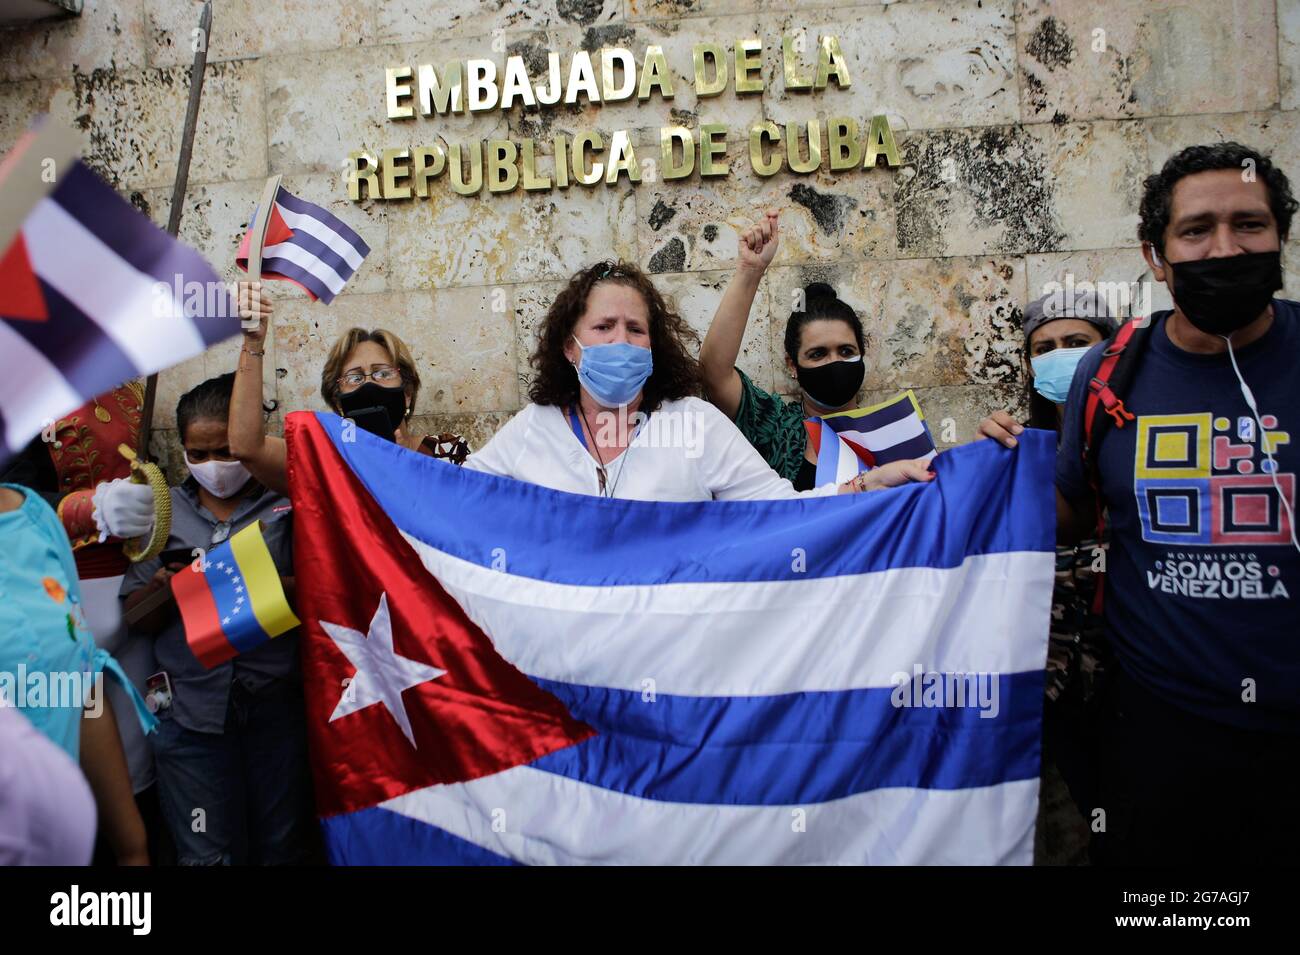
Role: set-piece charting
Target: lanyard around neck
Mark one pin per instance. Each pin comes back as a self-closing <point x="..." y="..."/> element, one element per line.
<point x="601" y="468"/>
<point x="576" y="425"/>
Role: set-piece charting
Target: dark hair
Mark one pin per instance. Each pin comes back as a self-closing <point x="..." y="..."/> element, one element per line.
<point x="1042" y="412"/>
<point x="208" y="399"/>
<point x="1158" y="189"/>
<point x="820" y="303"/>
<point x="676" y="373"/>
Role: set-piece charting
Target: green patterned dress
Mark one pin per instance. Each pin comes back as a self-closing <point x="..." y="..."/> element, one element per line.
<point x="773" y="426"/>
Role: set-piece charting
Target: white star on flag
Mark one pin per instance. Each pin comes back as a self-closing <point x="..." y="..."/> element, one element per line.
<point x="381" y="675"/>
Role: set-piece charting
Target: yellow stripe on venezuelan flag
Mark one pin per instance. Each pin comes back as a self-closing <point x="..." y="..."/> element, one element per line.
<point x="265" y="592"/>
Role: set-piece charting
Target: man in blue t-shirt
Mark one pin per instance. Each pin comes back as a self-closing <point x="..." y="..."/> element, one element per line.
<point x="1200" y="752"/>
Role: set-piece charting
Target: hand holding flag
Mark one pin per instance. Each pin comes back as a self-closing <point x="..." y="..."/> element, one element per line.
<point x="306" y="245"/>
<point x="849" y="442"/>
<point x="254" y="311"/>
<point x="234" y="602"/>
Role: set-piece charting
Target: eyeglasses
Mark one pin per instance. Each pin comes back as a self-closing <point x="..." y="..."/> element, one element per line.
<point x="355" y="379"/>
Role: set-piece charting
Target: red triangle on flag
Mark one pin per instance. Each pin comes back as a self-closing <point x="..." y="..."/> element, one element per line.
<point x="814" y="428"/>
<point x="865" y="454"/>
<point x="277" y="230"/>
<point x="20" y="292"/>
<point x="483" y="716"/>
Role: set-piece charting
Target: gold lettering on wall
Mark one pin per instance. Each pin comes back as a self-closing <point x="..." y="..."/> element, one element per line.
<point x="586" y="79"/>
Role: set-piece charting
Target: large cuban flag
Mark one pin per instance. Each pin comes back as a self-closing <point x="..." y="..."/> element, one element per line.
<point x="500" y="673"/>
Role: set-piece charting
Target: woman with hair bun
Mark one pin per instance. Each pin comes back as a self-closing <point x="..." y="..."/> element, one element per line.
<point x="823" y="353"/>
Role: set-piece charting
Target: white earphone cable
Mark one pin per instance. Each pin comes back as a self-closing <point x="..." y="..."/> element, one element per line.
<point x="1263" y="442"/>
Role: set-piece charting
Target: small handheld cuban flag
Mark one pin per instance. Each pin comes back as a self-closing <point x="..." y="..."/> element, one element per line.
<point x="306" y="245"/>
<point x="837" y="461"/>
<point x="236" y="602"/>
<point x="852" y="441"/>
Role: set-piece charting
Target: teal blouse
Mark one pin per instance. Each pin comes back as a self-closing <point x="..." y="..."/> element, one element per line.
<point x="48" y="657"/>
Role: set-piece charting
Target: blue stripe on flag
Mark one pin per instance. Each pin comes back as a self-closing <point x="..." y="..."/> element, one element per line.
<point x="828" y="456"/>
<point x="319" y="250"/>
<point x="896" y="410"/>
<point x="916" y="447"/>
<point x="291" y="270"/>
<point x="303" y="207"/>
<point x="797" y="748"/>
<point x="379" y="837"/>
<point x="85" y="355"/>
<point x="238" y="621"/>
<point x="141" y="244"/>
<point x="980" y="503"/>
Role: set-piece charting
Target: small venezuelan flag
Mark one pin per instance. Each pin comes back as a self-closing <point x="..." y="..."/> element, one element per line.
<point x="237" y="603"/>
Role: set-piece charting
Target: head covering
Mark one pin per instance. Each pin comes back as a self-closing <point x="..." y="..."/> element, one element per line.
<point x="1086" y="305"/>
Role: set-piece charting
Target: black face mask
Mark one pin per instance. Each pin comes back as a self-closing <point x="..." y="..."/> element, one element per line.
<point x="1219" y="296"/>
<point x="371" y="397"/>
<point x="833" y="384"/>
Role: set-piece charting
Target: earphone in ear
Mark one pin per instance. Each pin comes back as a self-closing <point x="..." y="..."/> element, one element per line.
<point x="1155" y="256"/>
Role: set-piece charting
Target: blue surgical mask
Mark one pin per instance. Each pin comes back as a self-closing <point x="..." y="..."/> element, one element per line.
<point x="614" y="373"/>
<point x="1054" y="370"/>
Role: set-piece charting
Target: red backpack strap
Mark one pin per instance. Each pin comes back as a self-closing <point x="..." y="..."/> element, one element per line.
<point x="1114" y="372"/>
<point x="1099" y="388"/>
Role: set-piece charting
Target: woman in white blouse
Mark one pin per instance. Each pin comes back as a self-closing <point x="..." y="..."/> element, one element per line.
<point x="614" y="412"/>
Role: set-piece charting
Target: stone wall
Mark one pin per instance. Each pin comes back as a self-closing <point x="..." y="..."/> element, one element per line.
<point x="1024" y="147"/>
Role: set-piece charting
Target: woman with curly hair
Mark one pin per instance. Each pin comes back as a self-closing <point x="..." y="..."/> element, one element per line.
<point x="615" y="412"/>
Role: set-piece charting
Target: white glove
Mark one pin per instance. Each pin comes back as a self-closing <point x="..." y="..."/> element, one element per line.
<point x="123" y="509"/>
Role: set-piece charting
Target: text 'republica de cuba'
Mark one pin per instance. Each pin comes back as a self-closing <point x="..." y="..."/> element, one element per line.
<point x="435" y="92"/>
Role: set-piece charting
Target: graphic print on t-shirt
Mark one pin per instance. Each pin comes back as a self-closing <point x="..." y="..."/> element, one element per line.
<point x="1202" y="480"/>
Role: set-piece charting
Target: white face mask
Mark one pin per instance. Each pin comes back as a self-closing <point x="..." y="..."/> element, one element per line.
<point x="220" y="478"/>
